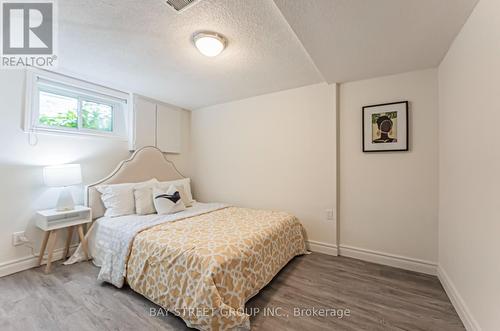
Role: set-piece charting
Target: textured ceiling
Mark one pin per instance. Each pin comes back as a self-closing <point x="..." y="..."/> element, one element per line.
<point x="356" y="39"/>
<point x="145" y="47"/>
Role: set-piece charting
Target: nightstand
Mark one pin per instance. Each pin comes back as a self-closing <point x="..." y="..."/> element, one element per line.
<point x="51" y="220"/>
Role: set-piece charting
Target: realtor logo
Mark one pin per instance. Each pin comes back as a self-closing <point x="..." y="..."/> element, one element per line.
<point x="28" y="29"/>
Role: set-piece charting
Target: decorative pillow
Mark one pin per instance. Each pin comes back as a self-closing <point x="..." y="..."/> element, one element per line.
<point x="185" y="183"/>
<point x="119" y="199"/>
<point x="184" y="196"/>
<point x="144" y="204"/>
<point x="169" y="201"/>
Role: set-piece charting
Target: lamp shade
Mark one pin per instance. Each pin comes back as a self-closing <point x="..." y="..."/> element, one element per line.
<point x="62" y="175"/>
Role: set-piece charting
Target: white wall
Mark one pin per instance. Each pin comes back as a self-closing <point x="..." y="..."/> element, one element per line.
<point x="275" y="151"/>
<point x="388" y="201"/>
<point x="22" y="189"/>
<point x="469" y="135"/>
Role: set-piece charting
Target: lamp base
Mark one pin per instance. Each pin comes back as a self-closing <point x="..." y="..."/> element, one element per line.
<point x="65" y="201"/>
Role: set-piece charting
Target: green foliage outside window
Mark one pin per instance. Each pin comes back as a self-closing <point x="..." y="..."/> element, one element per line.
<point x="60" y="111"/>
<point x="97" y="116"/>
<point x="65" y="120"/>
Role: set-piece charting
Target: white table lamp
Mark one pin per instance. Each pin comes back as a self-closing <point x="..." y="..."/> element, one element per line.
<point x="63" y="176"/>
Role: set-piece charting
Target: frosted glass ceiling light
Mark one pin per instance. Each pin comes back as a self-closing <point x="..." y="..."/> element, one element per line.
<point x="209" y="44"/>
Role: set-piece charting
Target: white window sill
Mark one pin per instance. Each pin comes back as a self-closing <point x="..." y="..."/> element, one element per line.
<point x="75" y="133"/>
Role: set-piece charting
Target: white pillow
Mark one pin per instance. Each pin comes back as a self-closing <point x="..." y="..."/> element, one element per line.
<point x="169" y="201"/>
<point x="186" y="183"/>
<point x="144" y="204"/>
<point x="184" y="197"/>
<point x="119" y="199"/>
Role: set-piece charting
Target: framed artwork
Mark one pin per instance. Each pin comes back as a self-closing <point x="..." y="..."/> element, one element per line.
<point x="385" y="127"/>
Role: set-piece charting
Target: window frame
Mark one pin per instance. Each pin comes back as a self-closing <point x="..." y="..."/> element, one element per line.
<point x="49" y="82"/>
<point x="79" y="97"/>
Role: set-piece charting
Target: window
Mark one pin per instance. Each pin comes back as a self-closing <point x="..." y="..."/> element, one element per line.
<point x="65" y="105"/>
<point x="57" y="111"/>
<point x="97" y="116"/>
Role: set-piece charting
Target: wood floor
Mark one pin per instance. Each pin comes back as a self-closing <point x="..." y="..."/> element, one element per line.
<point x="378" y="298"/>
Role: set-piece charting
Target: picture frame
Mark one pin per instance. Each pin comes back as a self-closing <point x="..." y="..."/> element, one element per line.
<point x="385" y="127"/>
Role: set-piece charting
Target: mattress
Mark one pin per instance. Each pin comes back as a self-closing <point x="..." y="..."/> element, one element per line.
<point x="206" y="267"/>
<point x="110" y="239"/>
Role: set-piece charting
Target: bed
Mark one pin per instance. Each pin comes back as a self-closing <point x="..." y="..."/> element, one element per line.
<point x="202" y="264"/>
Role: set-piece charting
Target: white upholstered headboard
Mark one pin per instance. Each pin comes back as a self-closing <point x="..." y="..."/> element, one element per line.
<point x="146" y="163"/>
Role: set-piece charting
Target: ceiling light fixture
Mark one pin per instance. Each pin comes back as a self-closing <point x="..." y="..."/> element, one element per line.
<point x="209" y="43"/>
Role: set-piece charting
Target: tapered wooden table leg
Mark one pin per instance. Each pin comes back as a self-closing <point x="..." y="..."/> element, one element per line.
<point x="42" y="248"/>
<point x="68" y="241"/>
<point x="52" y="245"/>
<point x="83" y="241"/>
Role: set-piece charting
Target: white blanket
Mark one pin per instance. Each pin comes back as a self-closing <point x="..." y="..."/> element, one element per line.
<point x="110" y="239"/>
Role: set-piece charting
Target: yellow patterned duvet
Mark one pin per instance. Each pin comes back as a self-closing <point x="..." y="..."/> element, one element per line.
<point x="204" y="268"/>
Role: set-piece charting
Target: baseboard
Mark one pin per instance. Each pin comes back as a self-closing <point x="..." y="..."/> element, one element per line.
<point x="320" y="247"/>
<point x="28" y="262"/>
<point x="458" y="302"/>
<point x="25" y="263"/>
<point x="392" y="260"/>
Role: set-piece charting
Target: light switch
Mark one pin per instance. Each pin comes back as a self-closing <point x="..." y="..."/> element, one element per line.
<point x="330" y="214"/>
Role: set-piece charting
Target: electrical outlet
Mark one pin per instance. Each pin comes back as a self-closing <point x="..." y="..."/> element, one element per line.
<point x="19" y="238"/>
<point x="330" y="215"/>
